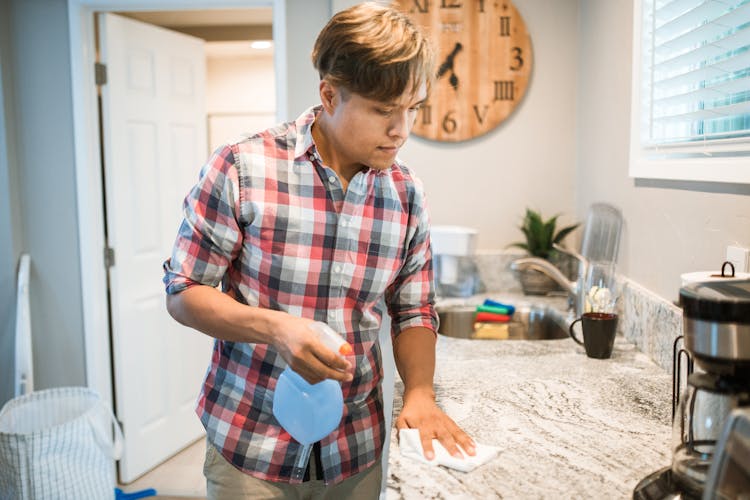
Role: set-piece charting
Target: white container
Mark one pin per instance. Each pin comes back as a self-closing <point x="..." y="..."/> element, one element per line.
<point x="453" y="240"/>
<point x="452" y="251"/>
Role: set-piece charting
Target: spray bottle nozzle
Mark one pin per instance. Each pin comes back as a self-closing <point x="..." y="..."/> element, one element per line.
<point x="331" y="339"/>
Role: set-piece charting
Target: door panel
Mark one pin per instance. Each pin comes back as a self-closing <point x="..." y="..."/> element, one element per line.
<point x="154" y="134"/>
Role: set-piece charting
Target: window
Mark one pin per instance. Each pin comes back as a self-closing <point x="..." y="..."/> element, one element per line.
<point x="691" y="90"/>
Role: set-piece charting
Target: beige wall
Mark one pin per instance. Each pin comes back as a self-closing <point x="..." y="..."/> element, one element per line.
<point x="240" y="84"/>
<point x="240" y="96"/>
<point x="672" y="227"/>
<point x="529" y="160"/>
<point x="567" y="146"/>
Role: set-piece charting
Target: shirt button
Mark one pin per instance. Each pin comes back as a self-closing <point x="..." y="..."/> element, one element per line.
<point x="332" y="179"/>
<point x="331" y="314"/>
<point x="337" y="269"/>
<point x="344" y="222"/>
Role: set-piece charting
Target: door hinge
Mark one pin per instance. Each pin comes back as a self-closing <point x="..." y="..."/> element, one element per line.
<point x="109" y="257"/>
<point x="100" y="73"/>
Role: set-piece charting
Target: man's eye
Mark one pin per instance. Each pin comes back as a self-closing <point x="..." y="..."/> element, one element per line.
<point x="384" y="111"/>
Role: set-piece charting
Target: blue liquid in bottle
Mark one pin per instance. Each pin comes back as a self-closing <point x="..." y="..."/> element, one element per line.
<point x="309" y="412"/>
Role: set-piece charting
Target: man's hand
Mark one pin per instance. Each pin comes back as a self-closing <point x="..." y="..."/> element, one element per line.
<point x="221" y="316"/>
<point x="414" y="350"/>
<point x="421" y="412"/>
<point x="298" y="344"/>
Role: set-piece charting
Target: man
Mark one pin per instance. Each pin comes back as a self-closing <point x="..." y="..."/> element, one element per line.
<point x="316" y="219"/>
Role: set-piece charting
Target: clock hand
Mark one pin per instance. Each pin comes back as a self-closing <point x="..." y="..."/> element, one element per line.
<point x="453" y="79"/>
<point x="448" y="63"/>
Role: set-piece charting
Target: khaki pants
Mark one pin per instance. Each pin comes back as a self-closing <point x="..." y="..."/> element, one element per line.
<point x="225" y="482"/>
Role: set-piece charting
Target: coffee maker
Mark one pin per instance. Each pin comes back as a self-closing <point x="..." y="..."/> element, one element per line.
<point x="716" y="340"/>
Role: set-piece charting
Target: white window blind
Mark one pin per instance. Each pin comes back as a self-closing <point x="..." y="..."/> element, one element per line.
<point x="695" y="76"/>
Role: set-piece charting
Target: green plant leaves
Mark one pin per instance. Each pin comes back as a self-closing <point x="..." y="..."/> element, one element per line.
<point x="564" y="232"/>
<point x="540" y="234"/>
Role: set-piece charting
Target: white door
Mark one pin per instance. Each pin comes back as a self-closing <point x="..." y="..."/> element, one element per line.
<point x="154" y="137"/>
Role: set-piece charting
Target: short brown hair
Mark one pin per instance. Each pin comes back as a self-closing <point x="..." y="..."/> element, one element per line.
<point x="374" y="51"/>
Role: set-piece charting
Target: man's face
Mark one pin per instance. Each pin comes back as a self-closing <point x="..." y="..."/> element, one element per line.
<point x="369" y="132"/>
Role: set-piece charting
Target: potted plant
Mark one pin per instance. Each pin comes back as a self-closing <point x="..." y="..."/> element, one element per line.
<point x="541" y="236"/>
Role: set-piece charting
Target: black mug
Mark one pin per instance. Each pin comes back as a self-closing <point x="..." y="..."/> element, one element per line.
<point x="598" y="333"/>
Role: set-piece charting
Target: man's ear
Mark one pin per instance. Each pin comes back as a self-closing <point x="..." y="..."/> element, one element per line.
<point x="327" y="95"/>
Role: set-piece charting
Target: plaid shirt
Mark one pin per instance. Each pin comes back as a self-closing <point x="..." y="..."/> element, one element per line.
<point x="273" y="225"/>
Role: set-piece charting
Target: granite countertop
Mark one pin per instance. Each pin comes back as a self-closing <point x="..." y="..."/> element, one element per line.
<point x="567" y="426"/>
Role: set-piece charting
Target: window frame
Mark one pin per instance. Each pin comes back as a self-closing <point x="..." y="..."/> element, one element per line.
<point x="719" y="161"/>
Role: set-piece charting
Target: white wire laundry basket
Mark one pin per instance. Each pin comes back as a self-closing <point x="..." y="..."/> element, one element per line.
<point x="58" y="444"/>
<point x="24" y="372"/>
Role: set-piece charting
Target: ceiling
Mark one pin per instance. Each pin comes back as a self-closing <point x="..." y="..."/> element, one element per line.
<point x="226" y="31"/>
<point x="261" y="16"/>
<point x="235" y="49"/>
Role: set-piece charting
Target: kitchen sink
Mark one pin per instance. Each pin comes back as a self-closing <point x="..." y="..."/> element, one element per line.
<point x="529" y="322"/>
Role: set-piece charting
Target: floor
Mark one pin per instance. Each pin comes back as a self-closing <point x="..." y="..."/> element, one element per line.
<point x="179" y="478"/>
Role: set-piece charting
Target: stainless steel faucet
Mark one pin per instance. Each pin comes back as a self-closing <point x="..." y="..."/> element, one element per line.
<point x="573" y="288"/>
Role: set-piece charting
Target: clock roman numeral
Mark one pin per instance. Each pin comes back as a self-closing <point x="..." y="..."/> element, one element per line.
<point x="504" y="90"/>
<point x="481" y="115"/>
<point x="426" y="111"/>
<point x="422" y="6"/>
<point x="505" y="26"/>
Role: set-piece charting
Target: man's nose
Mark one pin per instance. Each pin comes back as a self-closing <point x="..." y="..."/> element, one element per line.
<point x="401" y="124"/>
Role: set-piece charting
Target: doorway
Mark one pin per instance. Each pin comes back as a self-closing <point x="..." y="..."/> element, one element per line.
<point x="91" y="183"/>
<point x="240" y="73"/>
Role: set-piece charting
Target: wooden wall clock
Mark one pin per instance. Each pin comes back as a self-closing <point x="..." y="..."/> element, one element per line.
<point x="484" y="63"/>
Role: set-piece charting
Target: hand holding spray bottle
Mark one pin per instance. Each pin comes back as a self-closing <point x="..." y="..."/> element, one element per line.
<point x="309" y="412"/>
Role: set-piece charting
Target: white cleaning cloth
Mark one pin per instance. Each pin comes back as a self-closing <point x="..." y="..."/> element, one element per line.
<point x="411" y="447"/>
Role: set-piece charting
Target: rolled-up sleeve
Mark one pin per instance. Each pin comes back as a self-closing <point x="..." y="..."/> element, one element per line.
<point x="210" y="235"/>
<point x="411" y="297"/>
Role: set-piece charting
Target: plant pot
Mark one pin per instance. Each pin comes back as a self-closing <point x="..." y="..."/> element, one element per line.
<point x="535" y="282"/>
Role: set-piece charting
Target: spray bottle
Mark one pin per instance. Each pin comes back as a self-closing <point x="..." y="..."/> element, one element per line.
<point x="309" y="412"/>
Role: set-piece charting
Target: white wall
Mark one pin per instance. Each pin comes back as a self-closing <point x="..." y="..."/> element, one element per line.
<point x="672" y="227"/>
<point x="305" y="18"/>
<point x="529" y="160"/>
<point x="10" y="240"/>
<point x="41" y="172"/>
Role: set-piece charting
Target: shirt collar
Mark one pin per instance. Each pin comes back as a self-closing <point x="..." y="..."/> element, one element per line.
<point x="304" y="144"/>
<point x="304" y="123"/>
